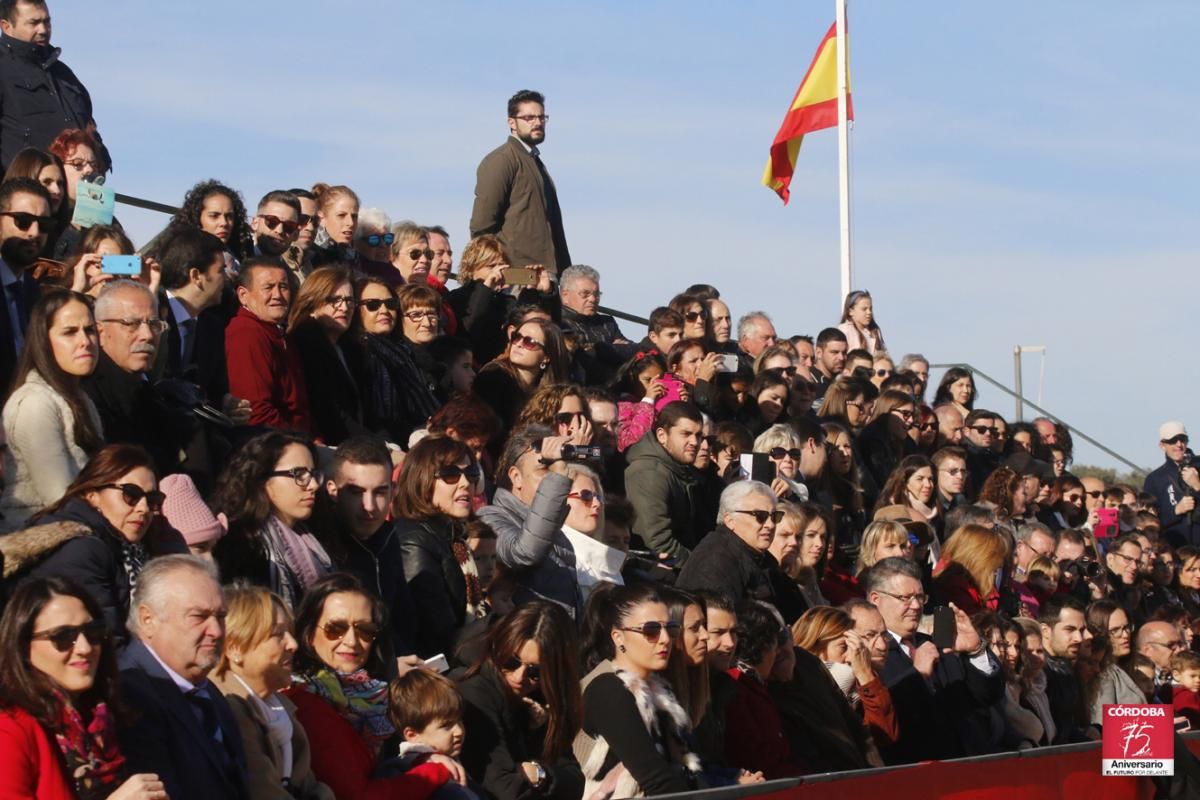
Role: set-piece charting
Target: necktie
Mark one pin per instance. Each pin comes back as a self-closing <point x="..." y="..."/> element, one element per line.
<point x="188" y="334"/>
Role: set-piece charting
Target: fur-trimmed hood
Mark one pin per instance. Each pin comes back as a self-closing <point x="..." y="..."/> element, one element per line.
<point x="23" y="549"/>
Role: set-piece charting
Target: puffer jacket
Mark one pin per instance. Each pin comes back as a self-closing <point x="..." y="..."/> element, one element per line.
<point x="530" y="542"/>
<point x="435" y="580"/>
<point x="666" y="497"/>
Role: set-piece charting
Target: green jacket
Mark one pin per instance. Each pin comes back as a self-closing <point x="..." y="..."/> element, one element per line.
<point x="664" y="495"/>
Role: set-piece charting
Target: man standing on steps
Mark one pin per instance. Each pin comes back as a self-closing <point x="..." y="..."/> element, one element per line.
<point x="515" y="198"/>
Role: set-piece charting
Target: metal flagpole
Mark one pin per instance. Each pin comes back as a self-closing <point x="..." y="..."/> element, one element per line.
<point x="843" y="58"/>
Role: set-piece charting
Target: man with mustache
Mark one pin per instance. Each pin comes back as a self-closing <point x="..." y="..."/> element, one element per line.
<point x="262" y="368"/>
<point x="24" y="225"/>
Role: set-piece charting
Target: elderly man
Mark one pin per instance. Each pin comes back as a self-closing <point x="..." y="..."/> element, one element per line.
<point x="942" y="699"/>
<point x="1158" y="641"/>
<point x="734" y="558"/>
<point x="950" y="425"/>
<point x="601" y="347"/>
<point x="183" y="729"/>
<point x="1175" y="484"/>
<point x="755" y="333"/>
<point x="1034" y="540"/>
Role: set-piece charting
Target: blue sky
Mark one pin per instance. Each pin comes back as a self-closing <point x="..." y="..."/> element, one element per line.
<point x="1023" y="173"/>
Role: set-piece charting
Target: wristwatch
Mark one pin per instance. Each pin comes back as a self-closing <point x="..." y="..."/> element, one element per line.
<point x="541" y="775"/>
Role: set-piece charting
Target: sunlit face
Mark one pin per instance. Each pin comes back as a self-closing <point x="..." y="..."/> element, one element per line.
<point x="1120" y="633"/>
<point x="520" y="681"/>
<point x="681" y="441"/>
<point x="1023" y="440"/>
<point x="862" y="312"/>
<point x="635" y="648"/>
<point x="275" y="227"/>
<point x="786" y="543"/>
<point x="695" y="321"/>
<point x="363" y="494"/>
<point x="335" y="314"/>
<point x="452" y="496"/>
<point x="413" y="258"/>
<point x="722" y="637"/>
<point x="689" y="364"/>
<point x="870" y="627"/>
<point x="443" y="256"/>
<point x="841" y="453"/>
<point x="52" y="178"/>
<point x="339" y="217"/>
<point x="584" y="506"/>
<point x="785" y="465"/>
<point x="133" y="521"/>
<point x="79" y="165"/>
<point x="216" y="216"/>
<point x="483" y="551"/>
<point x="530" y="350"/>
<point x="920" y="485"/>
<point x="1035" y="652"/>
<point x="889" y="547"/>
<point x="1125" y="561"/>
<point x="746" y="525"/>
<point x="74" y="340"/>
<point x="1065" y="636"/>
<point x="269" y="663"/>
<point x="831" y="359"/>
<point x="813" y="542"/>
<point x="694" y="641"/>
<point x="75" y="670"/>
<point x="1189" y="574"/>
<point x="962" y="390"/>
<point x="308" y="222"/>
<point x="420" y="324"/>
<point x="347" y="653"/>
<point x="720" y="321"/>
<point x="529" y="123"/>
<point x="290" y="501"/>
<point x="444" y="736"/>
<point x="269" y="295"/>
<point x="900" y="604"/>
<point x="582" y="296"/>
<point x="378" y="309"/>
<point x="189" y="634"/>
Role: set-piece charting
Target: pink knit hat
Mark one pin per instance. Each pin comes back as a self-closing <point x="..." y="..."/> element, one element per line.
<point x="187" y="512"/>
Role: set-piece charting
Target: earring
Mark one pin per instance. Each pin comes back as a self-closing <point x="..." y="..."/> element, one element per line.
<point x="621" y="647"/>
<point x="543" y="365"/>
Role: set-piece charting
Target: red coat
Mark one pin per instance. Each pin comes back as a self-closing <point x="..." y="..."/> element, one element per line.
<point x="838" y="586"/>
<point x="953" y="584"/>
<point x="754" y="737"/>
<point x="30" y="764"/>
<point x="266" y="371"/>
<point x="1187" y="704"/>
<point x="341" y="760"/>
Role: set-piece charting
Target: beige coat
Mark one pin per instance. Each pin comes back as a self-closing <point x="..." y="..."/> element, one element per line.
<point x="264" y="761"/>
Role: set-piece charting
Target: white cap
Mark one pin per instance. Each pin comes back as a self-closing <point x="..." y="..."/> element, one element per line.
<point x="1169" y="430"/>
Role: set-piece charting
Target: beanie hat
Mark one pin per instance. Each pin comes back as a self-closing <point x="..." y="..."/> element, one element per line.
<point x="187" y="512"/>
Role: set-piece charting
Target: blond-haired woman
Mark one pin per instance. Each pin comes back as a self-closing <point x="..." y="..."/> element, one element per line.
<point x="970" y="568"/>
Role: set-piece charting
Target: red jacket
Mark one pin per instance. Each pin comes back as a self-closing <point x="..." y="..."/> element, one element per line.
<point x="266" y="371"/>
<point x="838" y="586"/>
<point x="754" y="737"/>
<point x="30" y="764"/>
<point x="342" y="761"/>
<point x="1187" y="704"/>
<point x="953" y="584"/>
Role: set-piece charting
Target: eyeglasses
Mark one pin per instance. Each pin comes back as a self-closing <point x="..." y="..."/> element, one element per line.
<point x="532" y="671"/>
<point x="907" y="416"/>
<point x="1180" y="439"/>
<point x="534" y="118"/>
<point x="653" y="630"/>
<point x="416" y="253"/>
<point x="376" y="303"/>
<point x="376" y="239"/>
<point x="454" y="473"/>
<point x="340" y="300"/>
<point x="586" y="495"/>
<point x="983" y="429"/>
<point x="954" y="473"/>
<point x="1123" y="630"/>
<point x="854" y="404"/>
<point x="1122" y="555"/>
<point x="132" y="494"/>
<point x="289" y="228"/>
<point x="303" y="476"/>
<point x="156" y="326"/>
<point x="79" y="163"/>
<point x="907" y="599"/>
<point x="882" y="373"/>
<point x="926" y="427"/>
<point x="1094" y="495"/>
<point x="24" y="220"/>
<point x="779" y="453"/>
<point x="305" y="220"/>
<point x="761" y="516"/>
<point x="567" y="417"/>
<point x="1172" y="646"/>
<point x="528" y="342"/>
<point x="692" y="316"/>
<point x="421" y="316"/>
<point x="335" y="630"/>
<point x="64" y="637"/>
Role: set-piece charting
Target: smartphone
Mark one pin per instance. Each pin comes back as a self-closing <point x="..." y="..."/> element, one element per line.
<point x="121" y="265"/>
<point x="758" y="467"/>
<point x="728" y="363"/>
<point x="1109" y="523"/>
<point x="438" y="663"/>
<point x="945" y="628"/>
<point x="520" y="276"/>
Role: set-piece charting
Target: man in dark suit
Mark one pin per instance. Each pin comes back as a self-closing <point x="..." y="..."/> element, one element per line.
<point x="193" y="276"/>
<point x="182" y="729"/>
<point x="515" y="197"/>
<point x="24" y="224"/>
<point x="942" y="699"/>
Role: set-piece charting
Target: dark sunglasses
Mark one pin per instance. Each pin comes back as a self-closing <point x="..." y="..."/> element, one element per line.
<point x="132" y="494"/>
<point x="1180" y="439"/>
<point x="376" y="239"/>
<point x="586" y="495"/>
<point x="23" y="220"/>
<point x="778" y="453"/>
<point x="274" y="222"/>
<point x="304" y="220"/>
<point x="883" y="373"/>
<point x="454" y="473"/>
<point x="692" y="316"/>
<point x="761" y="516"/>
<point x="982" y="429"/>
<point x="532" y="671"/>
<point x="528" y="342"/>
<point x="928" y="426"/>
<point x="567" y="417"/>
<point x="415" y="255"/>
<point x="653" y="630"/>
<point x="1094" y="495"/>
<point x="375" y="303"/>
<point x="336" y="630"/>
<point x="63" y="638"/>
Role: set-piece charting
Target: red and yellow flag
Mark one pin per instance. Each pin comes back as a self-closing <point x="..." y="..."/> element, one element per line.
<point x="814" y="108"/>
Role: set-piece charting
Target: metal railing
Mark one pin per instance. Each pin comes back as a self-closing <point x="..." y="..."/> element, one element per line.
<point x="1075" y="432"/>
<point x="163" y="208"/>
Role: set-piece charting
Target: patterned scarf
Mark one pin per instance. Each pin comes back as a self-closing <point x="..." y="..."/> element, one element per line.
<point x="301" y="553"/>
<point x="359" y="699"/>
<point x="471" y="574"/>
<point x="134" y="556"/>
<point x="93" y="761"/>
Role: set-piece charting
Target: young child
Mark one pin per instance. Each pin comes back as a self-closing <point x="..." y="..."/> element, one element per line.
<point x="427" y="711"/>
<point x="1185" y="672"/>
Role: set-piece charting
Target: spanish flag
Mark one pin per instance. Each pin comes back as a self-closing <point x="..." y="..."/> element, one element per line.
<point x="814" y="108"/>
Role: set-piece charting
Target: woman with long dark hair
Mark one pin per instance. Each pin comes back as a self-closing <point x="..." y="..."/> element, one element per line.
<point x="341" y="697"/>
<point x="885" y="440"/>
<point x="958" y="388"/>
<point x="58" y="680"/>
<point x="79" y="152"/>
<point x="859" y="323"/>
<point x="321" y="313"/>
<point x="433" y="502"/>
<point x="522" y="707"/>
<point x="267" y="492"/>
<point x="912" y="484"/>
<point x="535" y="356"/>
<point x="214" y="208"/>
<point x="51" y="425"/>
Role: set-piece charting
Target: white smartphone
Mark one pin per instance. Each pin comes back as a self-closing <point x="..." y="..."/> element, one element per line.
<point x="438" y="663"/>
<point x="728" y="363"/>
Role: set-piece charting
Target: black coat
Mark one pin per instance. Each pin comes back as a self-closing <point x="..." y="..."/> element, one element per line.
<point x="818" y="722"/>
<point x="40" y="97"/>
<point x="206" y="366"/>
<point x="333" y="396"/>
<point x="481" y="313"/>
<point x="8" y="351"/>
<point x="1066" y="701"/>
<point x="785" y="593"/>
<point x="724" y="563"/>
<point x="436" y="581"/>
<point x="395" y="396"/>
<point x="377" y="563"/>
<point x="499" y="739"/>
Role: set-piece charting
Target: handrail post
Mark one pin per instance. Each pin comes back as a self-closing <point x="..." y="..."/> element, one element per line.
<point x="1017" y="382"/>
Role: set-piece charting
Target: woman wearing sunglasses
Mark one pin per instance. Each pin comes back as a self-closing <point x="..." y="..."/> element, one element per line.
<point x="563" y="407"/>
<point x="781" y="445"/>
<point x="694" y="311"/>
<point x="766" y="401"/>
<point x="102" y="530"/>
<point x="522" y="707"/>
<point x="396" y="397"/>
<point x="320" y="316"/>
<point x="595" y="562"/>
<point x="267" y="492"/>
<point x="58" y="675"/>
<point x="434" y="499"/>
<point x="885" y="440"/>
<point x="536" y="356"/>
<point x="733" y="558"/>
<point x="846" y="403"/>
<point x="373" y="241"/>
<point x="341" y="700"/>
<point x="480" y="302"/>
<point x="255" y="668"/>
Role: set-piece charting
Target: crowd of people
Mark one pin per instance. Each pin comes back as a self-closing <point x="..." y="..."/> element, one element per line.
<point x="286" y="515"/>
